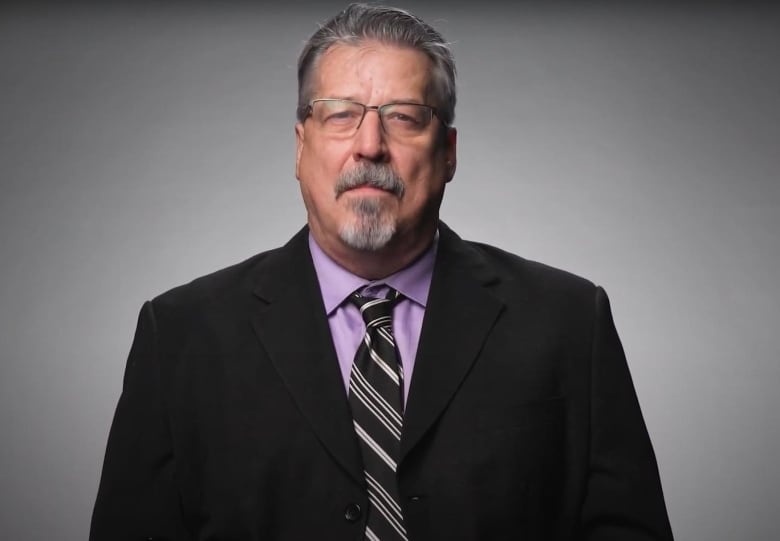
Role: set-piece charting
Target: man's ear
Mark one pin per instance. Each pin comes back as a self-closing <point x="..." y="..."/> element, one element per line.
<point x="299" y="138"/>
<point x="450" y="152"/>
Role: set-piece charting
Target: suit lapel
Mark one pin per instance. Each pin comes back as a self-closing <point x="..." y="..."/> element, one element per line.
<point x="292" y="326"/>
<point x="458" y="318"/>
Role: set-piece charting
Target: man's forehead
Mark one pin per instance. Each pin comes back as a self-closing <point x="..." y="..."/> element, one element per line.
<point x="345" y="64"/>
<point x="364" y="46"/>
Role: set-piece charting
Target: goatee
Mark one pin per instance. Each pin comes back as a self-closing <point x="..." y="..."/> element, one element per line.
<point x="371" y="226"/>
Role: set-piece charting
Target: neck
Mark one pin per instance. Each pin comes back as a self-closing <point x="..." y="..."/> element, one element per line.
<point x="398" y="254"/>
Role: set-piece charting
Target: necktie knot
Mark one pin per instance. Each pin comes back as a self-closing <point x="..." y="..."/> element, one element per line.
<point x="376" y="312"/>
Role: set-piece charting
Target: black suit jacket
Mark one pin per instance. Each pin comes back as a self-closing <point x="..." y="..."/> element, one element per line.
<point x="521" y="421"/>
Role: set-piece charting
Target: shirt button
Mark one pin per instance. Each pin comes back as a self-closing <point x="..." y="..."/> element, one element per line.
<point x="352" y="512"/>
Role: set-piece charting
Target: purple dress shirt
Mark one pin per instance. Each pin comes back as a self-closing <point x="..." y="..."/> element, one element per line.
<point x="346" y="324"/>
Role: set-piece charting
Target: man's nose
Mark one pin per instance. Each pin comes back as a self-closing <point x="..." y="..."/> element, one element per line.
<point x="370" y="141"/>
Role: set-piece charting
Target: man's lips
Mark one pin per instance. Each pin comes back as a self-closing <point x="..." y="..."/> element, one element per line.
<point x="367" y="189"/>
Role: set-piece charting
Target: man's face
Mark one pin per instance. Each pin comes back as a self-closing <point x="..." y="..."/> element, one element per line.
<point x="368" y="217"/>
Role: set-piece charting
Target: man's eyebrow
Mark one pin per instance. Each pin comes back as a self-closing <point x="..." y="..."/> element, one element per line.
<point x="407" y="100"/>
<point x="352" y="98"/>
<point x="337" y="97"/>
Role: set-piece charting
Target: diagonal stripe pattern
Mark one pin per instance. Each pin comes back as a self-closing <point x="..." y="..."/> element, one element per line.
<point x="375" y="387"/>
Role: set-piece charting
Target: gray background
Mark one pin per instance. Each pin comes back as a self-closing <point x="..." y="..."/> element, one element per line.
<point x="633" y="143"/>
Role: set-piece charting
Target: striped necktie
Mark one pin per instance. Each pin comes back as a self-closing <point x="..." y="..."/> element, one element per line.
<point x="375" y="398"/>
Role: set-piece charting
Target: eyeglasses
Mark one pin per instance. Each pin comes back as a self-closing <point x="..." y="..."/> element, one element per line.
<point x="344" y="117"/>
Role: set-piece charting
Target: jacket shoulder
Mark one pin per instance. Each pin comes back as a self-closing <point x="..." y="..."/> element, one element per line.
<point x="535" y="276"/>
<point x="223" y="286"/>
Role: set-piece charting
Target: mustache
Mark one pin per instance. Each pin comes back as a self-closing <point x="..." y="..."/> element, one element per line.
<point x="373" y="175"/>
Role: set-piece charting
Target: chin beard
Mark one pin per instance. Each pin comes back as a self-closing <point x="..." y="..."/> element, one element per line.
<point x="372" y="225"/>
<point x="370" y="229"/>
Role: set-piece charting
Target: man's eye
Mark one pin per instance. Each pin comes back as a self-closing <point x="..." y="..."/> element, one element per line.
<point x="401" y="118"/>
<point x="341" y="116"/>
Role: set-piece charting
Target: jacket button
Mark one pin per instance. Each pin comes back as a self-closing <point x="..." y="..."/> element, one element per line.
<point x="352" y="512"/>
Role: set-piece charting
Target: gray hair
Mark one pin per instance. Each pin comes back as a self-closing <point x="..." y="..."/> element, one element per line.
<point x="361" y="22"/>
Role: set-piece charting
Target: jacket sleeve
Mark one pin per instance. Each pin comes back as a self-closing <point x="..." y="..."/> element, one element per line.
<point x="623" y="499"/>
<point x="137" y="498"/>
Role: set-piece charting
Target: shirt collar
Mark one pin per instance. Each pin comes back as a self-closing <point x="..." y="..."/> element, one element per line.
<point x="337" y="283"/>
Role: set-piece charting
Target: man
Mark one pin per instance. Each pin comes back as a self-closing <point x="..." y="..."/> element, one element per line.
<point x="378" y="377"/>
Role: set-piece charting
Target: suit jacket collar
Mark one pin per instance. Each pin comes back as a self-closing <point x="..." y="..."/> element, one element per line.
<point x="292" y="326"/>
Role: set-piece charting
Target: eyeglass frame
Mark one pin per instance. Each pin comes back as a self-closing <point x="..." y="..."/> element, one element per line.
<point x="434" y="111"/>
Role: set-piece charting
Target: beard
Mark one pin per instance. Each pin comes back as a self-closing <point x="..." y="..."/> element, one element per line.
<point x="372" y="226"/>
